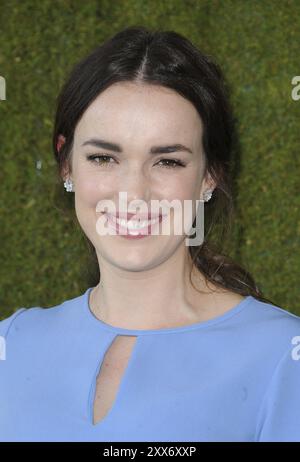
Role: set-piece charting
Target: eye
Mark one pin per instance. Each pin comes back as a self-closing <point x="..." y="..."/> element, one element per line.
<point x="102" y="159"/>
<point x="174" y="163"/>
<point x="105" y="159"/>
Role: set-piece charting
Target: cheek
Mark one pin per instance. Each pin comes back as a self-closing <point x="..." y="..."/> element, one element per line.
<point x="183" y="188"/>
<point x="181" y="195"/>
<point x="91" y="188"/>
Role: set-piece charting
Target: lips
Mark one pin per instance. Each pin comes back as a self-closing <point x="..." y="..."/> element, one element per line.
<point x="137" y="216"/>
<point x="129" y="229"/>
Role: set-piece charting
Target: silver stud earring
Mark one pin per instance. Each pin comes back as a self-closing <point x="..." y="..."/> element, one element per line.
<point x="207" y="195"/>
<point x="68" y="184"/>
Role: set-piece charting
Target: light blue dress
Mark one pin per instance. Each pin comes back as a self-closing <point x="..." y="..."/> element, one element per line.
<point x="232" y="378"/>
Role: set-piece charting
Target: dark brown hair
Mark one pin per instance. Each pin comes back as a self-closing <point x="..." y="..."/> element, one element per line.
<point x="168" y="59"/>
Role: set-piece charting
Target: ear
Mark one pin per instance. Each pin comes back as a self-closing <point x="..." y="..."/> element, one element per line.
<point x="65" y="172"/>
<point x="208" y="183"/>
<point x="60" y="142"/>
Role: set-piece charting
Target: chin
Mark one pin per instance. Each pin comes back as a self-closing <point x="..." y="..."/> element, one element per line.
<point x="129" y="259"/>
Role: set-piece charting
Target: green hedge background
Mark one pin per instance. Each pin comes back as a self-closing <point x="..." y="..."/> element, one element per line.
<point x="44" y="258"/>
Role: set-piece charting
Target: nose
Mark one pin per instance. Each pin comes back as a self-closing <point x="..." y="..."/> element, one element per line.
<point x="136" y="184"/>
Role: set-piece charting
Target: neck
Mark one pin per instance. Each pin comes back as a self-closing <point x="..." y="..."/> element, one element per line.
<point x="160" y="297"/>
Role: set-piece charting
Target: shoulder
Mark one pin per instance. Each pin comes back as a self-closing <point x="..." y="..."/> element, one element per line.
<point x="271" y="331"/>
<point x="261" y="320"/>
<point x="6" y="322"/>
<point x="5" y="325"/>
<point x="38" y="320"/>
<point x="273" y="319"/>
<point x="256" y="314"/>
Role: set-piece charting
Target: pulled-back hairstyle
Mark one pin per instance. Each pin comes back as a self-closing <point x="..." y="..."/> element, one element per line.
<point x="168" y="59"/>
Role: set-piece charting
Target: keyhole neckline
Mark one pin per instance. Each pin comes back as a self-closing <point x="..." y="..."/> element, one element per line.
<point x="170" y="330"/>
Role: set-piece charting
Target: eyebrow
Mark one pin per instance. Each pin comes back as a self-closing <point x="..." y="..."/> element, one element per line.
<point x="98" y="143"/>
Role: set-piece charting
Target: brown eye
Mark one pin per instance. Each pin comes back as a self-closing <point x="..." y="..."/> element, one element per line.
<point x="102" y="159"/>
<point x="174" y="163"/>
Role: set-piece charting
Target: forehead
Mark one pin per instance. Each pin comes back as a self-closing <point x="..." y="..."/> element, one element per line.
<point x="130" y="108"/>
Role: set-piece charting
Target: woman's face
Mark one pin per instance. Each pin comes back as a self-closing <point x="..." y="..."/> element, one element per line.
<point x="137" y="117"/>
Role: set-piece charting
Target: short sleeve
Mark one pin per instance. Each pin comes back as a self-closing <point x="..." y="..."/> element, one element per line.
<point x="5" y="325"/>
<point x="279" y="416"/>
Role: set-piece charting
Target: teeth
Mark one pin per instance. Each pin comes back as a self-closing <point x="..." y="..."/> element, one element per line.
<point x="134" y="224"/>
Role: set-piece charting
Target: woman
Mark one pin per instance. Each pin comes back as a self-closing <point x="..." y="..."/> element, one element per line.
<point x="176" y="342"/>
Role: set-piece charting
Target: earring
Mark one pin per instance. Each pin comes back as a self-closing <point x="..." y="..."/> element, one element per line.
<point x="207" y="195"/>
<point x="68" y="184"/>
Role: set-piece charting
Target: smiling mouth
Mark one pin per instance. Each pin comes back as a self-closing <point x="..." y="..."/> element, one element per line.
<point x="133" y="227"/>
